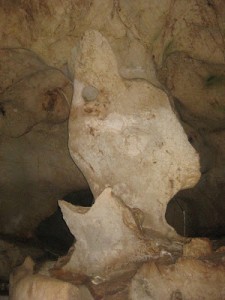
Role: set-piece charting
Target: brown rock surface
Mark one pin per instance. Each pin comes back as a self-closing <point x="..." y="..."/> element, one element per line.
<point x="188" y="278"/>
<point x="197" y="247"/>
<point x="36" y="168"/>
<point x="24" y="284"/>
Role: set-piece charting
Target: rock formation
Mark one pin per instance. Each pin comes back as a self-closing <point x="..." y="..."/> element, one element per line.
<point x="34" y="104"/>
<point x="110" y="230"/>
<point x="127" y="130"/>
<point x="24" y="284"/>
<point x="189" y="278"/>
<point x="148" y="44"/>
<point x="133" y="91"/>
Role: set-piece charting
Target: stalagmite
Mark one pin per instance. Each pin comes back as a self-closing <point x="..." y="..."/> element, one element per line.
<point x="127" y="137"/>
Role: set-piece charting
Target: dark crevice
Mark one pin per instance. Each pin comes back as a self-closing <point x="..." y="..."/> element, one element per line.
<point x="199" y="211"/>
<point x="2" y="110"/>
<point x="51" y="239"/>
<point x="53" y="233"/>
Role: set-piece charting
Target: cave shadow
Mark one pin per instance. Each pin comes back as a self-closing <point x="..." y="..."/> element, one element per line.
<point x="53" y="233"/>
<point x="198" y="212"/>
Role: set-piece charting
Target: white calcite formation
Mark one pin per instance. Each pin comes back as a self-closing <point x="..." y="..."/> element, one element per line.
<point x="108" y="237"/>
<point x="124" y="134"/>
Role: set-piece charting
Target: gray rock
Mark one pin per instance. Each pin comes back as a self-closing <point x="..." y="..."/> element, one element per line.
<point x="89" y="93"/>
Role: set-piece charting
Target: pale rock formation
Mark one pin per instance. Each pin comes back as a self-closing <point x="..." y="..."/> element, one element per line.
<point x="24" y="284"/>
<point x="128" y="137"/>
<point x="108" y="236"/>
<point x="189" y="278"/>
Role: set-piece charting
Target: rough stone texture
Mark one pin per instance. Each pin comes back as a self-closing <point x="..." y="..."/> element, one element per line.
<point x="185" y="40"/>
<point x="110" y="230"/>
<point x="197" y="87"/>
<point x="128" y="131"/>
<point x="197" y="247"/>
<point x="191" y="27"/>
<point x="167" y="282"/>
<point x="26" y="25"/>
<point x="206" y="218"/>
<point x="185" y="76"/>
<point x="12" y="255"/>
<point x="165" y="27"/>
<point x="36" y="168"/>
<point x="33" y="177"/>
<point x="24" y="284"/>
<point x="110" y="247"/>
<point x="31" y="93"/>
<point x="69" y="19"/>
<point x="189" y="279"/>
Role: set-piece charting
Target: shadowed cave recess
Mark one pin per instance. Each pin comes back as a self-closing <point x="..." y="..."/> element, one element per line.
<point x="112" y="101"/>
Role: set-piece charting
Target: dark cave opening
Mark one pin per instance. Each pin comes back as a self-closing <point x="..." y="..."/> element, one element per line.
<point x="199" y="211"/>
<point x="53" y="233"/>
<point x="52" y="236"/>
<point x="191" y="217"/>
